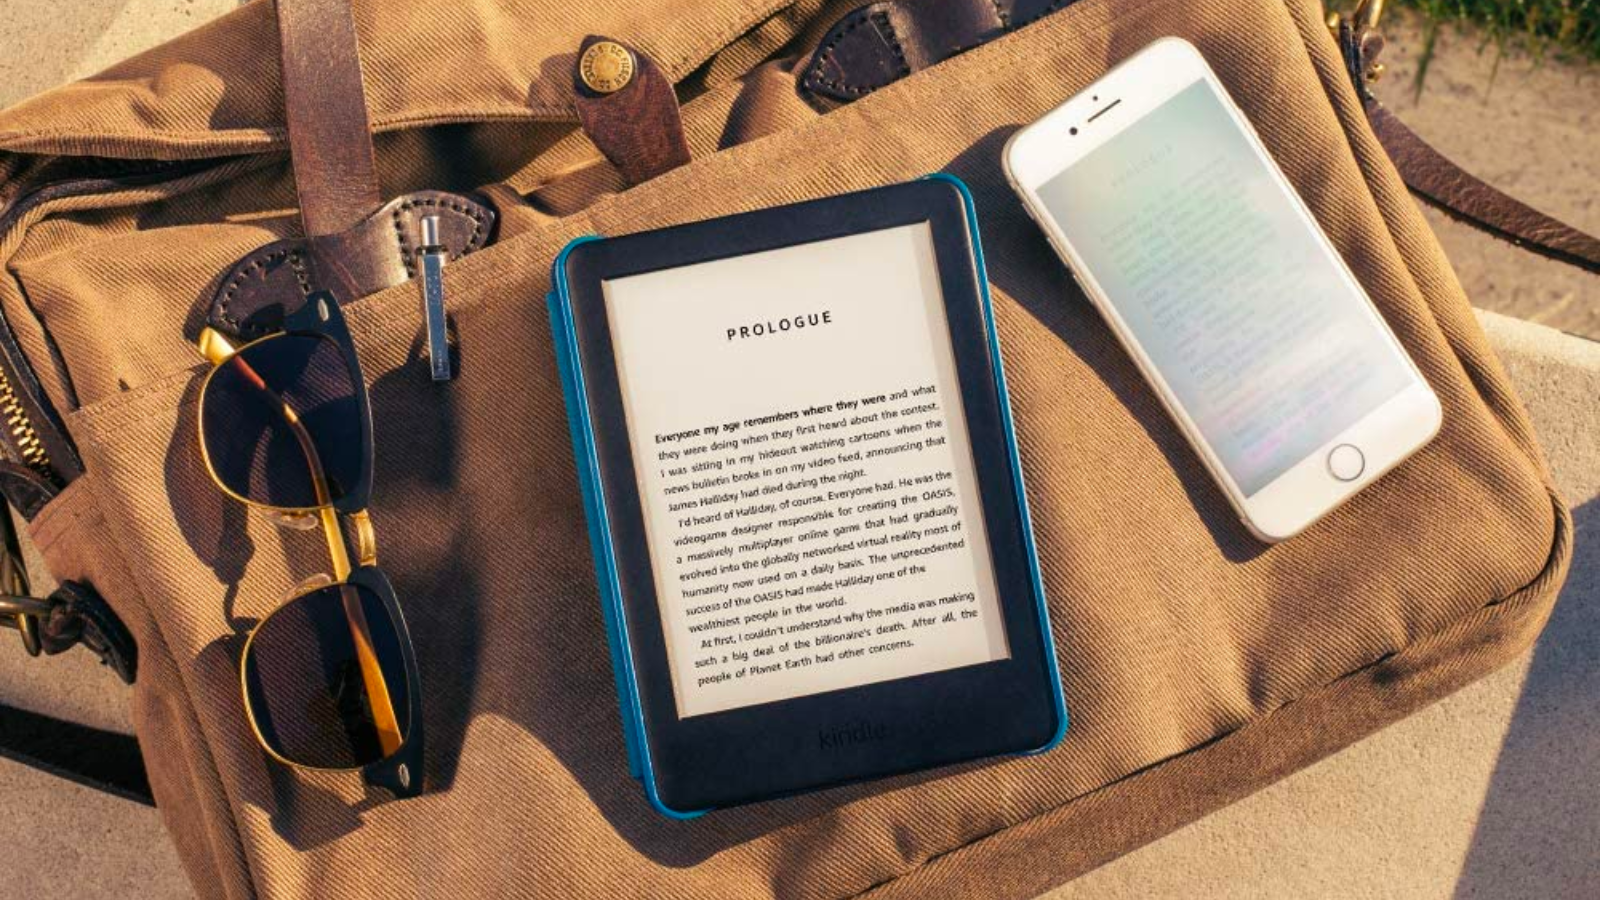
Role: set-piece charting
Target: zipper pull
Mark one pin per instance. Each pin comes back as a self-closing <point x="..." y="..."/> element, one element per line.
<point x="432" y="257"/>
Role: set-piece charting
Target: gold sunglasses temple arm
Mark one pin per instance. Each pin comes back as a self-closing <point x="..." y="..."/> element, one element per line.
<point x="337" y="554"/>
<point x="384" y="719"/>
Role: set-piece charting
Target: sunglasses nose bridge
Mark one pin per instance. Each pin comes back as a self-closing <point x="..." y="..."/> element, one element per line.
<point x="309" y="586"/>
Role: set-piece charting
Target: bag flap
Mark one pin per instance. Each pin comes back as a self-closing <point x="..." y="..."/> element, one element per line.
<point x="215" y="91"/>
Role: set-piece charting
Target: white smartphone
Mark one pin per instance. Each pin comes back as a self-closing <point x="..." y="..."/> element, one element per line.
<point x="1180" y="228"/>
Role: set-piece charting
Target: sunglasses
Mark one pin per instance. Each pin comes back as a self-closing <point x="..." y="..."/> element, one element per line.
<point x="329" y="677"/>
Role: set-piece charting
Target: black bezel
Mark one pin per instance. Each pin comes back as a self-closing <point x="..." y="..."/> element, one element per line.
<point x="321" y="316"/>
<point x="385" y="772"/>
<point x="757" y="752"/>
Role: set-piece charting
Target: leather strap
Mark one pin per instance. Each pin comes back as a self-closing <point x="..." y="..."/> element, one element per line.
<point x="378" y="252"/>
<point x="880" y="43"/>
<point x="103" y="760"/>
<point x="330" y="138"/>
<point x="1432" y="176"/>
<point x="637" y="125"/>
<point x="354" y="243"/>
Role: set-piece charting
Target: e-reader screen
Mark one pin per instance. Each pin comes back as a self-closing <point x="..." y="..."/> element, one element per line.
<point x="807" y="481"/>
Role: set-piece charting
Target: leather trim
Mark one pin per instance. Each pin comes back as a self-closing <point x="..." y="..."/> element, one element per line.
<point x="880" y="43"/>
<point x="858" y="55"/>
<point x="26" y="490"/>
<point x="330" y="136"/>
<point x="378" y="252"/>
<point x="638" y="127"/>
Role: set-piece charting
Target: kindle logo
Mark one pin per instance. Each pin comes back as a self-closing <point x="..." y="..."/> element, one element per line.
<point x="858" y="733"/>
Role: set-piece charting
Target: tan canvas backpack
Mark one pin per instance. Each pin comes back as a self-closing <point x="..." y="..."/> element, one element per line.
<point x="1198" y="664"/>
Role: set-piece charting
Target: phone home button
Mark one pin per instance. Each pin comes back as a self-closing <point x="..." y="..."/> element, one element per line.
<point x="1346" y="462"/>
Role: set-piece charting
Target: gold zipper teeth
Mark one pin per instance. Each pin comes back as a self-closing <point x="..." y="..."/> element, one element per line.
<point x="22" y="434"/>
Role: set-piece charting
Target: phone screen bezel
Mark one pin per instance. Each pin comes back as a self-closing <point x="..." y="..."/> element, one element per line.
<point x="1386" y="434"/>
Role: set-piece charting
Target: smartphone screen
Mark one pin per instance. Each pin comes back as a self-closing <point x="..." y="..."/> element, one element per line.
<point x="1236" y="301"/>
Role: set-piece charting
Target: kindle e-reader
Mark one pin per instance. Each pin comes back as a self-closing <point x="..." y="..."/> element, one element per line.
<point x="804" y="498"/>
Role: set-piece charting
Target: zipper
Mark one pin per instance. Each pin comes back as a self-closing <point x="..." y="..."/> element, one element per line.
<point x="24" y="439"/>
<point x="24" y="406"/>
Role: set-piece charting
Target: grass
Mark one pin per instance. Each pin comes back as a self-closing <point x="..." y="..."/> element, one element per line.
<point x="1564" y="29"/>
<point x="1567" y="28"/>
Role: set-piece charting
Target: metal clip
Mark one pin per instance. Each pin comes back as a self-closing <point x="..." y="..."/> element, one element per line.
<point x="432" y="257"/>
<point x="23" y="614"/>
<point x="17" y="609"/>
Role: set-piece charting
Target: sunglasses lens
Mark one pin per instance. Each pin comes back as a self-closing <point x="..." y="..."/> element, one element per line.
<point x="278" y="412"/>
<point x="325" y="680"/>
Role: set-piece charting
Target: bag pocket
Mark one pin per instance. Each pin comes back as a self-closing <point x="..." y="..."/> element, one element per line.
<point x="1174" y="628"/>
<point x="105" y="283"/>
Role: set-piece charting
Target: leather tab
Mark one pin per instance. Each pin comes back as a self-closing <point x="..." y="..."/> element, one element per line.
<point x="25" y="489"/>
<point x="859" y="54"/>
<point x="78" y="615"/>
<point x="378" y="252"/>
<point x="636" y="125"/>
<point x="330" y="137"/>
<point x="880" y="43"/>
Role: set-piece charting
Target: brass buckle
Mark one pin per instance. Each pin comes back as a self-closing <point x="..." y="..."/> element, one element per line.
<point x="17" y="609"/>
<point x="23" y="614"/>
<point x="1360" y="42"/>
<point x="1364" y="17"/>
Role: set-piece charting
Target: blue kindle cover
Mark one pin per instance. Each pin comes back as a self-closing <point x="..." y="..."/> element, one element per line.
<point x="803" y="496"/>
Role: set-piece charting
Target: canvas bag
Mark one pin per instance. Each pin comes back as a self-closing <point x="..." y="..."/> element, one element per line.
<point x="1198" y="664"/>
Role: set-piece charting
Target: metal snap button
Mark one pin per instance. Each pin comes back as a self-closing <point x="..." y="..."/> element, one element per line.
<point x="606" y="67"/>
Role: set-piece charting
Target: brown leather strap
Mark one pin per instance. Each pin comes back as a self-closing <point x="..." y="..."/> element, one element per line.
<point x="104" y="760"/>
<point x="330" y="139"/>
<point x="354" y="244"/>
<point x="378" y="252"/>
<point x="1432" y="176"/>
<point x="628" y="108"/>
<point x="880" y="43"/>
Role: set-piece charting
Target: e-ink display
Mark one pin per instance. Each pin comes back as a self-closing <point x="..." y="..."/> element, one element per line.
<point x="1240" y="308"/>
<point x="809" y="495"/>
